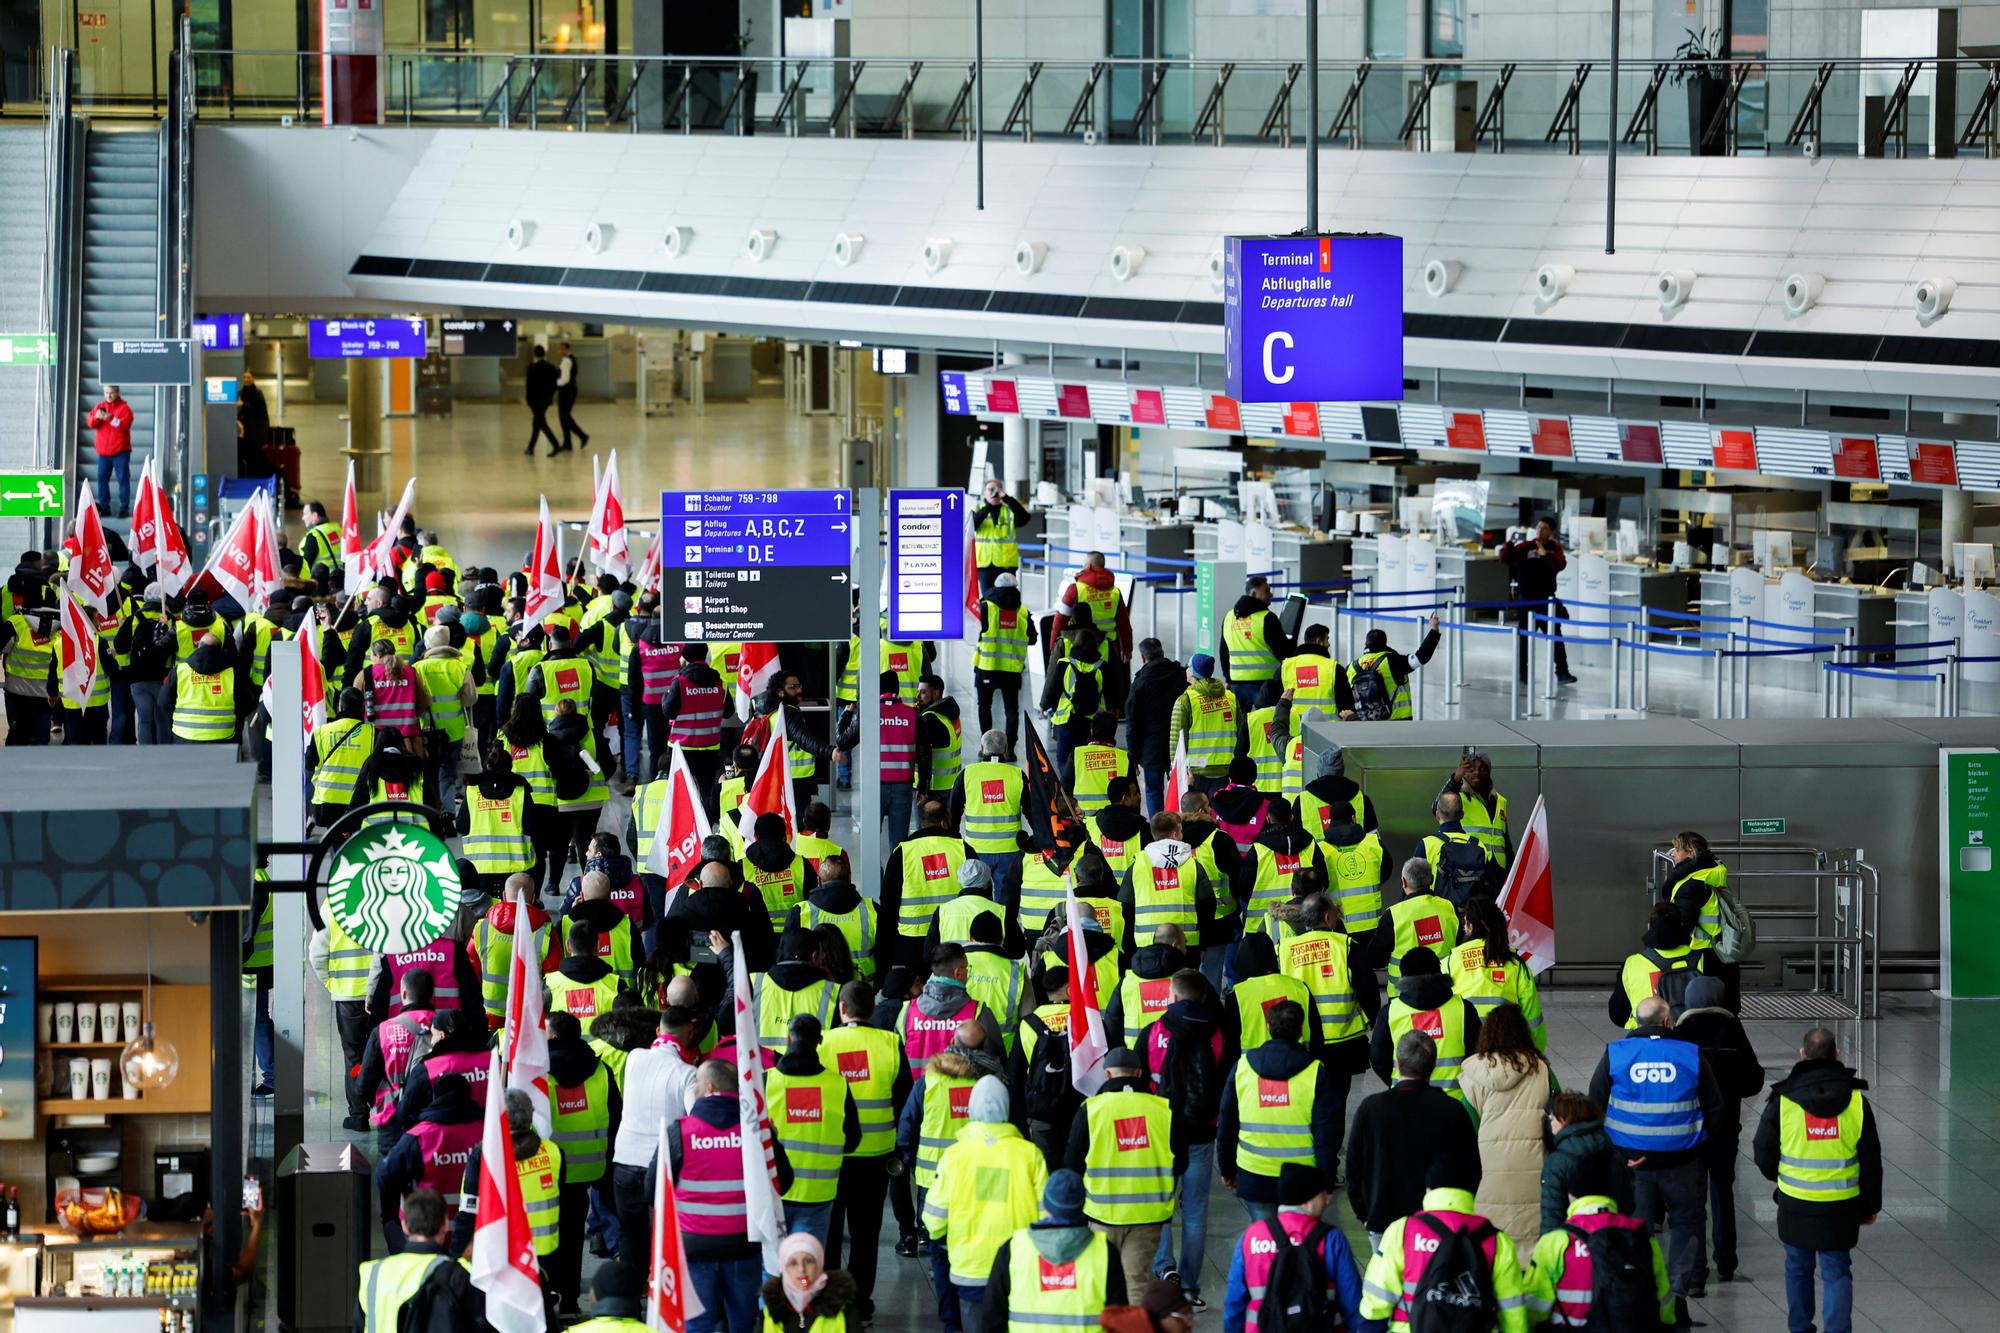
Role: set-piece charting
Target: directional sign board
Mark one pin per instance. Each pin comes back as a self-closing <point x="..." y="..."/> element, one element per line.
<point x="27" y="349"/>
<point x="219" y="333"/>
<point x="365" y="337"/>
<point x="31" y="495"/>
<point x="926" y="564"/>
<point x="1313" y="319"/>
<point x="737" y="566"/>
<point x="479" y="337"/>
<point x="127" y="362"/>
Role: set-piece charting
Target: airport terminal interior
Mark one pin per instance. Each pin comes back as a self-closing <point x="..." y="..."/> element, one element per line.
<point x="1602" y="397"/>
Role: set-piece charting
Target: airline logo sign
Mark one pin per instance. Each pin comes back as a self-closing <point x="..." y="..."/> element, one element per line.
<point x="1313" y="319"/>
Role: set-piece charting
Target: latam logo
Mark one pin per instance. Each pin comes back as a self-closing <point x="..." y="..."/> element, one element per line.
<point x="572" y="1101"/>
<point x="1429" y="931"/>
<point x="1132" y="1135"/>
<point x="1057" y="1277"/>
<point x="961" y="1102"/>
<point x="1273" y="1092"/>
<point x="715" y="1142"/>
<point x="1429" y="1022"/>
<point x="853" y="1066"/>
<point x="936" y="866"/>
<point x="802" y="1106"/>
<point x="1822" y="1127"/>
<point x="1654" y="1071"/>
<point x="992" y="790"/>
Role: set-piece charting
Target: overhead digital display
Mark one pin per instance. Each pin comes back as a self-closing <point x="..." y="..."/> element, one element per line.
<point x="479" y="337"/>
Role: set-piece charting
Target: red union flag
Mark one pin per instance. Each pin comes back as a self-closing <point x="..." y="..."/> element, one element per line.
<point x="545" y="581"/>
<point x="673" y="1300"/>
<point x="1181" y="781"/>
<point x="245" y="563"/>
<point x="503" y="1247"/>
<point x="79" y="652"/>
<point x="770" y="792"/>
<point x="1089" y="1047"/>
<point x="756" y="663"/>
<point x="676" y="848"/>
<point x="350" y="538"/>
<point x="90" y="572"/>
<point x="1529" y="900"/>
<point x="610" y="546"/>
<point x="648" y="578"/>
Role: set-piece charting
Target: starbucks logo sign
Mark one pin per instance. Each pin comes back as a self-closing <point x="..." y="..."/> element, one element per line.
<point x="394" y="887"/>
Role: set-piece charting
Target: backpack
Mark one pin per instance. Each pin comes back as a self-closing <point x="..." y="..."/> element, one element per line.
<point x="1295" y="1289"/>
<point x="1675" y="974"/>
<point x="1738" y="939"/>
<point x="1622" y="1295"/>
<point x="1371" y="696"/>
<point x="1455" y="1294"/>
<point x="1190" y="1081"/>
<point x="1464" y="867"/>
<point x="1049" y="1095"/>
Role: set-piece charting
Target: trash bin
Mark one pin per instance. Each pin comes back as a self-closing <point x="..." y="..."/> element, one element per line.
<point x="326" y="1224"/>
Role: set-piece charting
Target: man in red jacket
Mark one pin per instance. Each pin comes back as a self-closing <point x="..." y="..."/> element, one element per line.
<point x="112" y="421"/>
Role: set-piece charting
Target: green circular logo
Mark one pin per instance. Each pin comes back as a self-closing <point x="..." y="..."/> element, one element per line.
<point x="394" y="887"/>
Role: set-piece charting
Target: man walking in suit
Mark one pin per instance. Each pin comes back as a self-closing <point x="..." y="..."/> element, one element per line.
<point x="541" y="393"/>
<point x="566" y="398"/>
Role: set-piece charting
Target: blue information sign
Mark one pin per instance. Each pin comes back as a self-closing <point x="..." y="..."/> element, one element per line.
<point x="956" y="402"/>
<point x="926" y="564"/>
<point x="1313" y="319"/>
<point x="343" y="338"/>
<point x="773" y="566"/>
<point x="219" y="333"/>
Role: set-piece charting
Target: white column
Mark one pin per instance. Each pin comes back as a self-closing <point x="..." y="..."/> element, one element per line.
<point x="1015" y="470"/>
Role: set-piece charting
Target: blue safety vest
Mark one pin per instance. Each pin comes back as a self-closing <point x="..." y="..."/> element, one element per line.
<point x="1655" y="1095"/>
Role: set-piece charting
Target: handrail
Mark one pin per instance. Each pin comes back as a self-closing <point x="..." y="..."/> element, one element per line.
<point x="56" y="443"/>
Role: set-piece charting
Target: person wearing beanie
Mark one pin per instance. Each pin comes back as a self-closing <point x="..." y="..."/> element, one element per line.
<point x="1303" y="1199"/>
<point x="1379" y="679"/>
<point x="814" y="1116"/>
<point x="450" y="694"/>
<point x="1725" y="1044"/>
<point x="1058" y="1238"/>
<point x="986" y="806"/>
<point x="1130" y="1146"/>
<point x="1006" y="631"/>
<point x="796" y="984"/>
<point x="1280" y="1101"/>
<point x="1424" y="1002"/>
<point x="1206" y="715"/>
<point x="953" y="922"/>
<point x="1666" y="963"/>
<point x="773" y="872"/>
<point x="989" y="1185"/>
<point x="618" y="1300"/>
<point x="806" y="1296"/>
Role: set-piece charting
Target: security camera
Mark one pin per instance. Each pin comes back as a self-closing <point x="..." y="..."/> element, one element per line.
<point x="1440" y="276"/>
<point x="676" y="241"/>
<point x="597" y="237"/>
<point x="1126" y="260"/>
<point x="1552" y="280"/>
<point x="937" y="254"/>
<point x="1802" y="292"/>
<point x="1029" y="256"/>
<point x="1673" y="287"/>
<point x="1218" y="269"/>
<point x="760" y="243"/>
<point x="520" y="232"/>
<point x="1934" y="297"/>
<point x="847" y="248"/>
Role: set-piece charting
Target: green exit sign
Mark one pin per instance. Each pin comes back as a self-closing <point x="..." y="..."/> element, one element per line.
<point x="31" y="495"/>
<point x="27" y="349"/>
<point x="1762" y="828"/>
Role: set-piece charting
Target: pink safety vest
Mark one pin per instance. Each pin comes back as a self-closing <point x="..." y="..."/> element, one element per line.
<point x="709" y="1194"/>
<point x="657" y="664"/>
<point x="1576" y="1271"/>
<point x="447" y="1148"/>
<point x="434" y="958"/>
<point x="1241" y="834"/>
<point x="474" y="1065"/>
<point x="1156" y="1051"/>
<point x="1260" y="1252"/>
<point x="631" y="899"/>
<point x="396" y="1038"/>
<point x="393" y="704"/>
<point x="698" y="726"/>
<point x="1417" y="1254"/>
<point x="898" y="741"/>
<point x="924" y="1036"/>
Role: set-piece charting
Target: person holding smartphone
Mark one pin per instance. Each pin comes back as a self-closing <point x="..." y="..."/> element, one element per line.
<point x="1535" y="562"/>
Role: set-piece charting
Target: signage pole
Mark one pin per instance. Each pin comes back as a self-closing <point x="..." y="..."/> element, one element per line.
<point x="1312" y="116"/>
<point x="979" y="104"/>
<point x="1611" y="147"/>
<point x="867" y="758"/>
<point x="288" y="910"/>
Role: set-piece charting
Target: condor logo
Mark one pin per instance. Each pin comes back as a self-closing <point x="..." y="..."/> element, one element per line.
<point x="568" y="681"/>
<point x="961" y="1102"/>
<point x="853" y="1066"/>
<point x="802" y="1106"/>
<point x="1821" y="1127"/>
<point x="1429" y="1022"/>
<point x="572" y="1101"/>
<point x="1653" y="1071"/>
<point x="992" y="790"/>
<point x="1154" y="995"/>
<point x="1132" y="1134"/>
<point x="1057" y="1277"/>
<point x="1273" y="1092"/>
<point x="714" y="1142"/>
<point x="936" y="866"/>
<point x="1429" y="931"/>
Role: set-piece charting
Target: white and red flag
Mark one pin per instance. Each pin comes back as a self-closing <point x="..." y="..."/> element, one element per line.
<point x="79" y="652"/>
<point x="648" y="578"/>
<point x="1181" y="780"/>
<point x="378" y="561"/>
<point x="352" y="552"/>
<point x="545" y="580"/>
<point x="1529" y="899"/>
<point x="756" y="663"/>
<point x="503" y="1246"/>
<point x="764" y="1221"/>
<point x="672" y="1300"/>
<point x="770" y="792"/>
<point x="676" y="848"/>
<point x="610" y="545"/>
<point x="1089" y="1048"/>
<point x="90" y="570"/>
<point x="157" y="544"/>
<point x="245" y="561"/>
<point x="527" y="1036"/>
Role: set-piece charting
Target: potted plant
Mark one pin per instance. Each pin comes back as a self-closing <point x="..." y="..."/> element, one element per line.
<point x="1698" y="68"/>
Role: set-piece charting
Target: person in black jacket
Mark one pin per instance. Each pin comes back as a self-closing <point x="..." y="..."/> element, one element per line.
<point x="999" y="505"/>
<point x="1726" y="1047"/>
<point x="1156" y="687"/>
<point x="1424" y="988"/>
<point x="1408" y="1139"/>
<point x="1812" y="1231"/>
<point x="1534" y="563"/>
<point x="402" y="1167"/>
<point x="572" y="1063"/>
<point x="445" y="1301"/>
<point x="541" y="396"/>
<point x="1059" y="1236"/>
<point x="1281" y="1058"/>
<point x="1003" y="599"/>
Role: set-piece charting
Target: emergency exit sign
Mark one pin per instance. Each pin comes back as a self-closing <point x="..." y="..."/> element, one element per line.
<point x="1762" y="828"/>
<point x="27" y="349"/>
<point x="31" y="495"/>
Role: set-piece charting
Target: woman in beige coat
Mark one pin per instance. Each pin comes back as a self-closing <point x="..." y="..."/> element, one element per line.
<point x="1507" y="1084"/>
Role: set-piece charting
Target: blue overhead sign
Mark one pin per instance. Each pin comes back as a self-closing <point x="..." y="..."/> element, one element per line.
<point x="737" y="566"/>
<point x="219" y="333"/>
<point x="1313" y="319"/>
<point x="926" y="564"/>
<point x="347" y="338"/>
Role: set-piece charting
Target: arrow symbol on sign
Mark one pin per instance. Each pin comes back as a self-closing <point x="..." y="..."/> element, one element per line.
<point x="952" y="499"/>
<point x="840" y="527"/>
<point x="841" y="577"/>
<point x="840" y="499"/>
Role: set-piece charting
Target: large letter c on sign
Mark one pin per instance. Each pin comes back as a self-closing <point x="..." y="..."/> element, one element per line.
<point x="1271" y="373"/>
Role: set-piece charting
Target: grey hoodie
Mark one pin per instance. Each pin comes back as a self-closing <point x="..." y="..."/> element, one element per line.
<point x="1059" y="1242"/>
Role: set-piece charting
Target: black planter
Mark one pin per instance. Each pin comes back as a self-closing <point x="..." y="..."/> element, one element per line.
<point x="1705" y="98"/>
